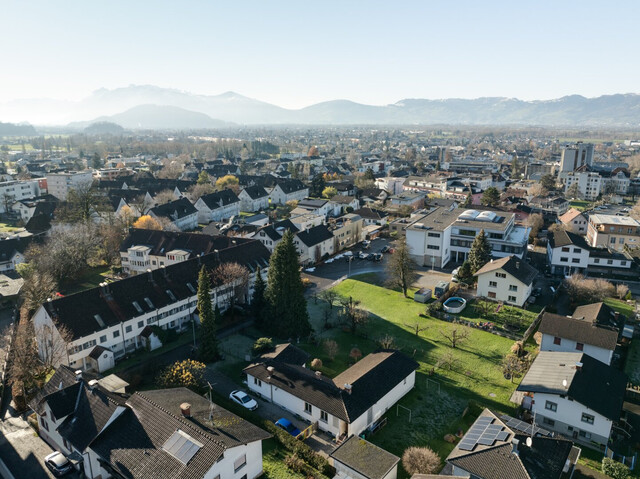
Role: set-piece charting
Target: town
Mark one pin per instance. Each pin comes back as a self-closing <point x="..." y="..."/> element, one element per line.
<point x="372" y="303"/>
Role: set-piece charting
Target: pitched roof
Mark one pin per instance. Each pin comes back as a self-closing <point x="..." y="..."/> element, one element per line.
<point x="343" y="199"/>
<point x="579" y="330"/>
<point x="516" y="267"/>
<point x="597" y="313"/>
<point x="595" y="385"/>
<point x="255" y="192"/>
<point x="276" y="230"/>
<point x="369" y="460"/>
<point x="290" y="186"/>
<point x="314" y="235"/>
<point x="162" y="242"/>
<point x="570" y="215"/>
<point x="287" y="353"/>
<point x="133" y="442"/>
<point x="370" y="379"/>
<point x="566" y="238"/>
<point x="371" y="213"/>
<point x="113" y="303"/>
<point x="219" y="199"/>
<point x="174" y="210"/>
<point x="63" y="377"/>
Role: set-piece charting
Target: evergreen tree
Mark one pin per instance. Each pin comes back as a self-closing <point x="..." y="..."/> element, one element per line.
<point x="258" y="301"/>
<point x="465" y="275"/>
<point x="468" y="201"/>
<point x="490" y="196"/>
<point x="480" y="253"/>
<point x="208" y="340"/>
<point x="287" y="305"/>
<point x="368" y="175"/>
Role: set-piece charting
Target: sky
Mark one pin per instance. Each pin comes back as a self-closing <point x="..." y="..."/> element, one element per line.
<point x="296" y="53"/>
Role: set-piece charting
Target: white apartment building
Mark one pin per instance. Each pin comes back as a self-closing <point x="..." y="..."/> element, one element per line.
<point x="12" y="191"/>
<point x="59" y="184"/>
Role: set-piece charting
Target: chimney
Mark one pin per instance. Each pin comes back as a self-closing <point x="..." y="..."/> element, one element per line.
<point x="185" y="409"/>
<point x="164" y="271"/>
<point x="514" y="446"/>
<point x="578" y="366"/>
<point x="79" y="375"/>
<point x="347" y="387"/>
<point x="270" y="370"/>
<point x="150" y="275"/>
<point x="92" y="384"/>
<point x="318" y="374"/>
<point x="517" y="264"/>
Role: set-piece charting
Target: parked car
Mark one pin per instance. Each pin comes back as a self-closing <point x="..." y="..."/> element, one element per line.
<point x="454" y="275"/>
<point x="244" y="399"/>
<point x="385" y="249"/>
<point x="58" y="464"/>
<point x="361" y="255"/>
<point x="537" y="292"/>
<point x="377" y="257"/>
<point x="370" y="257"/>
<point x="366" y="244"/>
<point x="285" y="424"/>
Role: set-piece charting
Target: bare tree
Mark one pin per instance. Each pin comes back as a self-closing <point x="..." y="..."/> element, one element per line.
<point x="621" y="290"/>
<point x="353" y="315"/>
<point x="420" y="460"/>
<point x="387" y="342"/>
<point x="535" y="222"/>
<point x="417" y="327"/>
<point x="52" y="342"/>
<point x="513" y="366"/>
<point x="538" y="190"/>
<point x="456" y="334"/>
<point x="583" y="290"/>
<point x="234" y="276"/>
<point x="331" y="348"/>
<point x="165" y="196"/>
<point x="447" y="361"/>
<point x="196" y="191"/>
<point x="24" y="364"/>
<point x="329" y="296"/>
<point x="401" y="268"/>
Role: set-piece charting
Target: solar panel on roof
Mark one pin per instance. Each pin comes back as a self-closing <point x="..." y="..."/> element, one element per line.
<point x="466" y="445"/>
<point x="182" y="446"/>
<point x="503" y="435"/>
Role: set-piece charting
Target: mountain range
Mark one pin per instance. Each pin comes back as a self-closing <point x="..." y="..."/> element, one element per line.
<point x="151" y="107"/>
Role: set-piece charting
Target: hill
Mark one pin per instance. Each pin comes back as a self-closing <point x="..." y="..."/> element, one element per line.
<point x="11" y="129"/>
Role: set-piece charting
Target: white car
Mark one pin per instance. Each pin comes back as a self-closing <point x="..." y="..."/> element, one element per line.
<point x="58" y="464"/>
<point x="244" y="400"/>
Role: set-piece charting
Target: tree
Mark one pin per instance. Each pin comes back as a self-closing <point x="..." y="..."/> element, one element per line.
<point x="548" y="182"/>
<point x="355" y="354"/>
<point x="456" y="334"/>
<point x="317" y="185"/>
<point x="187" y="373"/>
<point x="368" y="175"/>
<point x="258" y="301"/>
<point x="401" y="268"/>
<point x="573" y="191"/>
<point x="468" y="201"/>
<point x="331" y="348"/>
<point x="146" y="222"/>
<point x="615" y="469"/>
<point x="196" y="191"/>
<point x="513" y="366"/>
<point x="538" y="190"/>
<point x="329" y="192"/>
<point x="235" y="276"/>
<point x="405" y="210"/>
<point x="165" y="196"/>
<point x="329" y="296"/>
<point x="447" y="361"/>
<point x="420" y="460"/>
<point x="261" y="346"/>
<point x="353" y="315"/>
<point x="82" y="202"/>
<point x="24" y="364"/>
<point x="465" y="275"/>
<point x="585" y="291"/>
<point x="480" y="252"/>
<point x="285" y="292"/>
<point x="228" y="181"/>
<point x="203" y="178"/>
<point x="416" y="327"/>
<point x="490" y="196"/>
<point x="37" y="288"/>
<point x="621" y="290"/>
<point x="208" y="339"/>
<point x="52" y="343"/>
<point x="535" y="222"/>
<point x="316" y="364"/>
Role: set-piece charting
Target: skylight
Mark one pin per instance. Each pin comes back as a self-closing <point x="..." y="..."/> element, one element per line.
<point x="99" y="320"/>
<point x="148" y="301"/>
<point x="137" y="306"/>
<point x="182" y="446"/>
<point x="191" y="288"/>
<point x="171" y="295"/>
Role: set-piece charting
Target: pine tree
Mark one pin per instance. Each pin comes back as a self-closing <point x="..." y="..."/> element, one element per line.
<point x="208" y="340"/>
<point x="465" y="275"/>
<point x="287" y="305"/>
<point x="258" y="301"/>
<point x="468" y="201"/>
<point x="480" y="253"/>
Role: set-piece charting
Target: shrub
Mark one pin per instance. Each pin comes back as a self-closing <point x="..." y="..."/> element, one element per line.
<point x="187" y="373"/>
<point x="615" y="469"/>
<point x="262" y="345"/>
<point x="517" y="349"/>
<point x="293" y="462"/>
<point x="316" y="364"/>
<point x="420" y="460"/>
<point x="331" y="348"/>
<point x="355" y="354"/>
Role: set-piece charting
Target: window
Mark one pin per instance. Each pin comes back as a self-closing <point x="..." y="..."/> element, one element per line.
<point x="307" y="408"/>
<point x="609" y="261"/>
<point x="116" y="334"/>
<point x="513" y="287"/>
<point x="493" y="284"/>
<point x="596" y="261"/>
<point x="140" y="324"/>
<point x="324" y="417"/>
<point x="492" y="294"/>
<point x="103" y="338"/>
<point x="586" y="435"/>
<point x="548" y="422"/>
<point x="551" y="406"/>
<point x="432" y="246"/>
<point x="44" y="424"/>
<point x="239" y="463"/>
<point x="501" y="275"/>
<point x="257" y="382"/>
<point x="565" y="249"/>
<point x="623" y="263"/>
<point x="613" y="240"/>
<point x="577" y="250"/>
<point x="512" y="299"/>
<point x="557" y="341"/>
<point x="433" y="235"/>
<point x="588" y="418"/>
<point x="575" y="260"/>
<point x="580" y="346"/>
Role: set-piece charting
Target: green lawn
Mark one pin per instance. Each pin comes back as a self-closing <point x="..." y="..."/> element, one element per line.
<point x="273" y="462"/>
<point x="621" y="307"/>
<point x="504" y="315"/>
<point x="580" y="204"/>
<point x="632" y="364"/>
<point x="91" y="278"/>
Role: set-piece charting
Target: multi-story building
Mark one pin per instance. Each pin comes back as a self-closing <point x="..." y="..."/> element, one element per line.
<point x="575" y="156"/>
<point x="12" y="191"/>
<point x="444" y="235"/>
<point x="589" y="183"/>
<point x="59" y="184"/>
<point x="612" y="231"/>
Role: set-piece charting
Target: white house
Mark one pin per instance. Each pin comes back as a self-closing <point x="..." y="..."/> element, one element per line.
<point x="568" y="334"/>
<point x="59" y="184"/>
<point x="159" y="433"/>
<point x="373" y="216"/>
<point x="574" y="395"/>
<point x="253" y="198"/>
<point x="507" y="279"/>
<point x="357" y="458"/>
<point x="217" y="206"/>
<point x="314" y="243"/>
<point x="343" y="406"/>
<point x="288" y="190"/>
<point x="12" y="191"/>
<point x="180" y="213"/>
<point x="114" y="315"/>
<point x="574" y="221"/>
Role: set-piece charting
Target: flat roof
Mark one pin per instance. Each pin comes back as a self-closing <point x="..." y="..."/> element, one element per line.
<point x="614" y="220"/>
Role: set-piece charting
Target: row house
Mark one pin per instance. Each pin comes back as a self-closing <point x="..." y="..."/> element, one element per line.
<point x="217" y="206"/>
<point x="112" y="317"/>
<point x="253" y="198"/>
<point x="180" y="213"/>
<point x="288" y="190"/>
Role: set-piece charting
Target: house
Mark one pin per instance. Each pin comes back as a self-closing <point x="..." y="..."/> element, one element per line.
<point x="372" y="216"/>
<point x="572" y="334"/>
<point x="348" y="230"/>
<point x="59" y="184"/>
<point x="574" y="395"/>
<point x="143" y="250"/>
<point x="253" y="198"/>
<point x="288" y="190"/>
<point x="12" y="252"/>
<point x="498" y="448"/>
<point x="445" y="234"/>
<point x="314" y="243"/>
<point x="161" y="433"/>
<point x="113" y="315"/>
<point x="318" y="207"/>
<point x="12" y="191"/>
<point x="217" y="206"/>
<point x="507" y="279"/>
<point x="271" y="235"/>
<point x="358" y="458"/>
<point x="574" y="221"/>
<point x="343" y="406"/>
<point x="393" y="186"/>
<point x="552" y="206"/>
<point x="344" y="204"/>
<point x="413" y="199"/>
<point x="181" y="213"/>
<point x="614" y="232"/>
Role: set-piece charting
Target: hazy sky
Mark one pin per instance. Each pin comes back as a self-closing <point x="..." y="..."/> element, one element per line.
<point x="300" y="52"/>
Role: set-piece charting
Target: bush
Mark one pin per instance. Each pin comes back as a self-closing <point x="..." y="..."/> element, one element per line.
<point x="293" y="462"/>
<point x="420" y="460"/>
<point x="615" y="469"/>
<point x="187" y="373"/>
<point x="262" y="345"/>
<point x="316" y="364"/>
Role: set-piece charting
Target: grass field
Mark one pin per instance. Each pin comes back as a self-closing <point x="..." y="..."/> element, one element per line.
<point x="91" y="278"/>
<point x="621" y="307"/>
<point x="505" y="315"/>
<point x="580" y="204"/>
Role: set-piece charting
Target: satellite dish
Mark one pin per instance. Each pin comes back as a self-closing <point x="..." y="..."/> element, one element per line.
<point x="529" y="442"/>
<point x="564" y="383"/>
